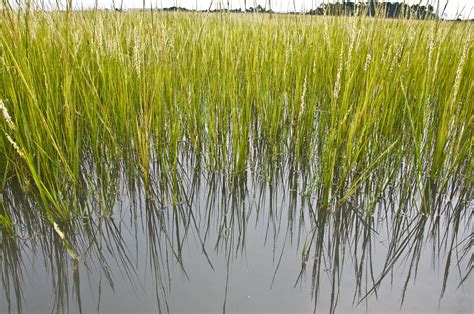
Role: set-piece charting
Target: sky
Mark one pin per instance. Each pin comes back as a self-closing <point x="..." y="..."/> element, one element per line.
<point x="465" y="7"/>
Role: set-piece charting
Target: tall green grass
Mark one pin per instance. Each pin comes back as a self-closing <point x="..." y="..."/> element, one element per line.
<point x="344" y="105"/>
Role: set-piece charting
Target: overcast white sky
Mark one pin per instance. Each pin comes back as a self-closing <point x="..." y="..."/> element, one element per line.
<point x="466" y="7"/>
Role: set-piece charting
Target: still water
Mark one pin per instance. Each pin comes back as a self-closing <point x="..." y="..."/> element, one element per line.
<point x="250" y="248"/>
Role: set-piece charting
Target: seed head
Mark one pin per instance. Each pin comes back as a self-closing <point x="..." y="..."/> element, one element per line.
<point x="337" y="86"/>
<point x="457" y="80"/>
<point x="367" y="62"/>
<point x="15" y="146"/>
<point x="58" y="231"/>
<point x="7" y="116"/>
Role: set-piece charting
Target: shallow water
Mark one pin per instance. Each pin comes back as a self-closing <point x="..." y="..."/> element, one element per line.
<point x="253" y="249"/>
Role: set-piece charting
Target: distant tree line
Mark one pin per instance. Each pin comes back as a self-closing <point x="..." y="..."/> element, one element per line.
<point x="348" y="8"/>
<point x="372" y="8"/>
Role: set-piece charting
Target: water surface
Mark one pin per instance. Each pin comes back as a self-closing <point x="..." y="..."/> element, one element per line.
<point x="248" y="247"/>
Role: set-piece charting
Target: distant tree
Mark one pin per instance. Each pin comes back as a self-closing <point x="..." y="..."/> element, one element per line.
<point x="372" y="8"/>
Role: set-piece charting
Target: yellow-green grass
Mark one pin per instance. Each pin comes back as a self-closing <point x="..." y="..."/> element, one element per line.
<point x="345" y="105"/>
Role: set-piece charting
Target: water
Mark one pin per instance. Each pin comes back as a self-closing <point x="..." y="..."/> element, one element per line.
<point x="245" y="248"/>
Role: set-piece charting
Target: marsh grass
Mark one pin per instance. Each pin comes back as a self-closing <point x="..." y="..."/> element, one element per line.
<point x="343" y="105"/>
